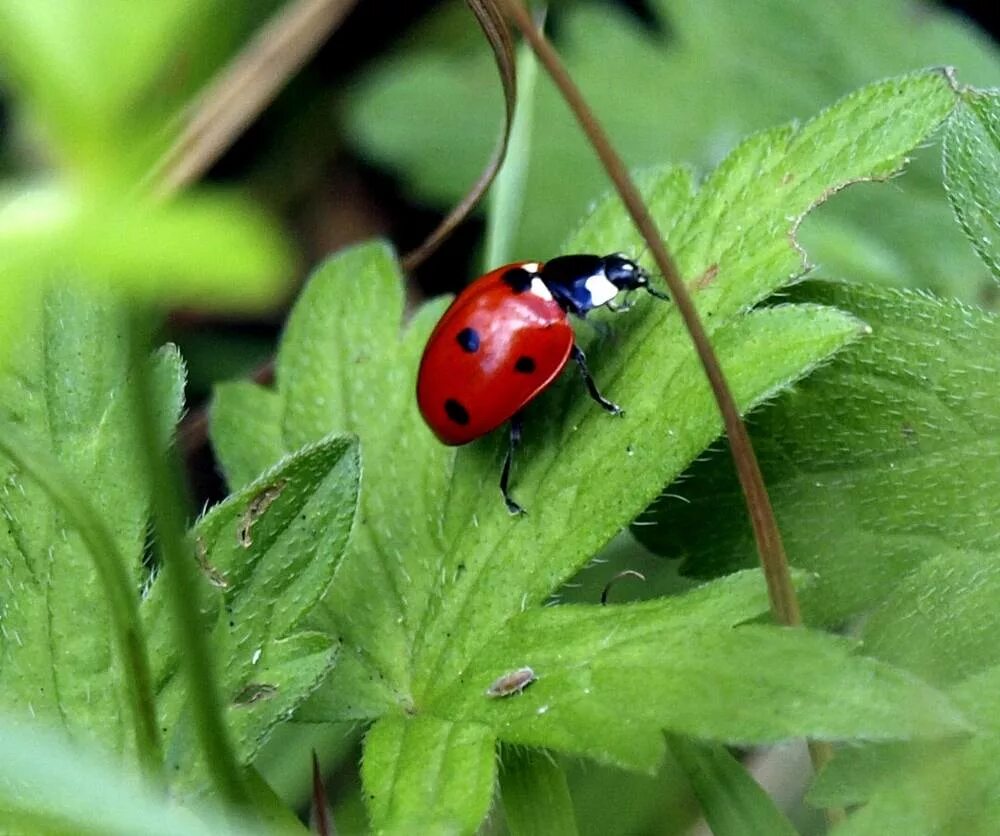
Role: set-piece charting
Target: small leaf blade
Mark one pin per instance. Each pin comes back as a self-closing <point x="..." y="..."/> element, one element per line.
<point x="535" y="794"/>
<point x="733" y="802"/>
<point x="267" y="555"/>
<point x="972" y="172"/>
<point x="678" y="666"/>
<point x="427" y="774"/>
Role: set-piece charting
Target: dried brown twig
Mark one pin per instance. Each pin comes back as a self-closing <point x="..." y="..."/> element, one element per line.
<point x="770" y="549"/>
<point x="769" y="546"/>
<point x="494" y="26"/>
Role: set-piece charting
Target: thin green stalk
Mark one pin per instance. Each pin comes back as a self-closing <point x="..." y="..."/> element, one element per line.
<point x="732" y="801"/>
<point x="179" y="576"/>
<point x="123" y="598"/>
<point x="535" y="794"/>
<point x="506" y="198"/>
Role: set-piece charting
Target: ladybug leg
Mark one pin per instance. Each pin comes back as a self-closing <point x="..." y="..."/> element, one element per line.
<point x="581" y="361"/>
<point x="515" y="440"/>
<point x="627" y="303"/>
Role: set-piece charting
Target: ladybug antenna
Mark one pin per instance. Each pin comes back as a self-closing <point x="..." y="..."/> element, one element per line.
<point x="659" y="294"/>
<point x="645" y="283"/>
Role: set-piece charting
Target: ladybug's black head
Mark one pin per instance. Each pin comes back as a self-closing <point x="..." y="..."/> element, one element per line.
<point x="625" y="274"/>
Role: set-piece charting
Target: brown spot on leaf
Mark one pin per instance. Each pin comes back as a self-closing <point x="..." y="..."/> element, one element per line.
<point x="215" y="577"/>
<point x="706" y="278"/>
<point x="254" y="692"/>
<point x="255" y="510"/>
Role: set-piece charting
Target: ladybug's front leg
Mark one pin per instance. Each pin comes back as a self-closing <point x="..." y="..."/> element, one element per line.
<point x="581" y="361"/>
<point x="515" y="439"/>
<point x="626" y="304"/>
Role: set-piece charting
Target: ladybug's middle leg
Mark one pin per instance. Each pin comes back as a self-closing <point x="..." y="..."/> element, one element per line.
<point x="581" y="361"/>
<point x="515" y="440"/>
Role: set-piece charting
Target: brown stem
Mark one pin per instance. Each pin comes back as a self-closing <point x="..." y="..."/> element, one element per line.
<point x="496" y="32"/>
<point x="772" y="553"/>
<point x="781" y="592"/>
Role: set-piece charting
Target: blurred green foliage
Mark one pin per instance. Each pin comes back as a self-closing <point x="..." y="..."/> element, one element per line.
<point x="685" y="94"/>
<point x="103" y="87"/>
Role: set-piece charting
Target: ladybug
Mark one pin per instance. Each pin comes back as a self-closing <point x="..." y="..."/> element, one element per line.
<point x="505" y="339"/>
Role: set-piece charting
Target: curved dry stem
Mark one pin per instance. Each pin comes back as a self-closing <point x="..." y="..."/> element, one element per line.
<point x="770" y="549"/>
<point x="769" y="546"/>
<point x="494" y="26"/>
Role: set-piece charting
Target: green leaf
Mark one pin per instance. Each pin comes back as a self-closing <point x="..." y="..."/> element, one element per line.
<point x="612" y="800"/>
<point x="942" y="791"/>
<point x="941" y="622"/>
<point x="213" y="249"/>
<point x="972" y="172"/>
<point x="584" y="475"/>
<point x="245" y="428"/>
<point x="18" y="314"/>
<point x="267" y="555"/>
<point x="49" y="786"/>
<point x="424" y="774"/>
<point x="66" y="396"/>
<point x="803" y="332"/>
<point x="733" y="802"/>
<point x="759" y="77"/>
<point x="358" y="377"/>
<point x="535" y="794"/>
<point x="876" y="463"/>
<point x="678" y="665"/>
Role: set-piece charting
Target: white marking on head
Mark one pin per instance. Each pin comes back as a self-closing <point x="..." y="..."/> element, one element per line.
<point x="601" y="289"/>
<point x="531" y="266"/>
<point x="539" y="289"/>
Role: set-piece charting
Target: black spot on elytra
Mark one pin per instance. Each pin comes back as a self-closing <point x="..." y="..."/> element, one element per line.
<point x="518" y="279"/>
<point x="468" y="339"/>
<point x="524" y="364"/>
<point x="458" y="413"/>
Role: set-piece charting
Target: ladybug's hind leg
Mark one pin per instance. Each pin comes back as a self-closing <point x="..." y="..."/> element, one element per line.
<point x="515" y="440"/>
<point x="581" y="361"/>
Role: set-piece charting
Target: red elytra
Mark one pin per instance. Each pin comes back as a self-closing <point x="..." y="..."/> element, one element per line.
<point x="492" y="352"/>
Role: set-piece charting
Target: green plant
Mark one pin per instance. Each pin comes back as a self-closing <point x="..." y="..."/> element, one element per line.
<point x="452" y="587"/>
<point x="362" y="575"/>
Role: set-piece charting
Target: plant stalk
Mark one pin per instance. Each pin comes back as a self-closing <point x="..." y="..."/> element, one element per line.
<point x="770" y="549"/>
<point x="784" y="603"/>
<point x="179" y="575"/>
<point x="122" y="596"/>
